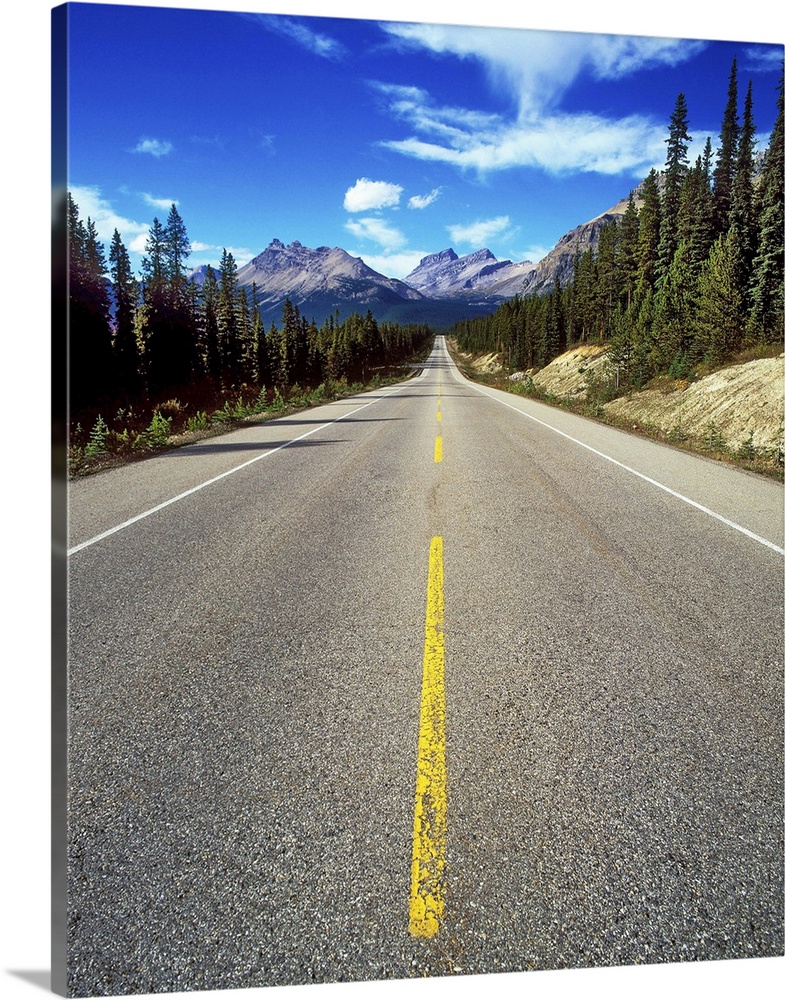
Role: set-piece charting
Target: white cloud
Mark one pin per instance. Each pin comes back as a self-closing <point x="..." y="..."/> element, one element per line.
<point x="377" y="230"/>
<point x="209" y="253"/>
<point x="479" y="233"/>
<point x="424" y="200"/>
<point x="93" y="205"/>
<point x="393" y="265"/>
<point x="315" y="42"/>
<point x="762" y="58"/>
<point x="155" y="147"/>
<point x="367" y="195"/>
<point x="241" y="254"/>
<point x="414" y="105"/>
<point x="139" y="242"/>
<point x="534" y="253"/>
<point x="163" y="203"/>
<point x="536" y="69"/>
<point x="556" y="144"/>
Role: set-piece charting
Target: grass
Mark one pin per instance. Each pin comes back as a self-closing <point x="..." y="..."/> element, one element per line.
<point x="131" y="435"/>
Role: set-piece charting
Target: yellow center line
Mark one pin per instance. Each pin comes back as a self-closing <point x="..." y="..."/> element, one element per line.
<point x="426" y="900"/>
<point x="437" y="449"/>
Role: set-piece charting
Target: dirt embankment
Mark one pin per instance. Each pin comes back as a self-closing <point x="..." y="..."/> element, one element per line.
<point x="742" y="405"/>
<point x="736" y="412"/>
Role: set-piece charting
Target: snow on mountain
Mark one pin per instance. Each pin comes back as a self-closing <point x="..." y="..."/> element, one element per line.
<point x="300" y="273"/>
<point x="479" y="275"/>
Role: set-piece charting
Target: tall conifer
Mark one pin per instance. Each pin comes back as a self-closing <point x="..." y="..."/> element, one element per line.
<point x="767" y="270"/>
<point x="675" y="173"/>
<point x="227" y="317"/>
<point x="91" y="360"/>
<point x="742" y="215"/>
<point x="125" y="291"/>
<point x="650" y="218"/>
<point x="725" y="170"/>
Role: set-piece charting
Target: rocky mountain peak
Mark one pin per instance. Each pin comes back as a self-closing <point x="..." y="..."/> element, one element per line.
<point x="438" y="258"/>
<point x="480" y="255"/>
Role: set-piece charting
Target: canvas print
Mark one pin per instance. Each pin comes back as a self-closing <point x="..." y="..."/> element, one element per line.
<point x="418" y="421"/>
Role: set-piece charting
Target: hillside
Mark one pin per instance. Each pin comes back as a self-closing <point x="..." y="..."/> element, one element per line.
<point x="735" y="413"/>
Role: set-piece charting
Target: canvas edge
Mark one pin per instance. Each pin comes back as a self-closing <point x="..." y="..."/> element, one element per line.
<point x="59" y="405"/>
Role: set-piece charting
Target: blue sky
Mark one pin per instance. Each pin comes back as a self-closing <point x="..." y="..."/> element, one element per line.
<point x="27" y="221"/>
<point x="390" y="139"/>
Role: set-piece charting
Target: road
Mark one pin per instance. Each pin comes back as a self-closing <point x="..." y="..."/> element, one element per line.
<point x="432" y="680"/>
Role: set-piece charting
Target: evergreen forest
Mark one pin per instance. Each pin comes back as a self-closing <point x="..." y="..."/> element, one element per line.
<point x="688" y="278"/>
<point x="160" y="355"/>
<point x="685" y="281"/>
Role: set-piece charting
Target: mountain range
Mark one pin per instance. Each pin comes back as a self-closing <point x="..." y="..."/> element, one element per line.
<point x="441" y="290"/>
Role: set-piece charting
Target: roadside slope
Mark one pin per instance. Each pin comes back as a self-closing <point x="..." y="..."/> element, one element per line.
<point x="736" y="412"/>
<point x="740" y="406"/>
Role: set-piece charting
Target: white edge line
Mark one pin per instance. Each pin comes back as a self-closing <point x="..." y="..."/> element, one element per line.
<point x="634" y="472"/>
<point x="223" y="475"/>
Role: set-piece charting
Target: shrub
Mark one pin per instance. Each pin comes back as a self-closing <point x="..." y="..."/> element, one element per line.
<point x="677" y="433"/>
<point x="96" y="445"/>
<point x="748" y="450"/>
<point x="278" y="403"/>
<point x="261" y="401"/>
<point x="157" y="433"/>
<point x="170" y="408"/>
<point x="714" y="438"/>
<point x="682" y="368"/>
<point x="199" y="422"/>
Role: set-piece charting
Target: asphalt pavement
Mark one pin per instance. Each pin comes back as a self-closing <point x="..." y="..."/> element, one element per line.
<point x="251" y="643"/>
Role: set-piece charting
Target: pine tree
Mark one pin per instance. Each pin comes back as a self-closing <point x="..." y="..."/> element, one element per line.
<point x="227" y="318"/>
<point x="170" y="342"/>
<point x="627" y="252"/>
<point x="262" y="361"/>
<point x="177" y="250"/>
<point x="675" y="173"/>
<point x="91" y="360"/>
<point x="694" y="223"/>
<point x="725" y="170"/>
<point x="315" y="359"/>
<point x="555" y="325"/>
<point x="607" y="284"/>
<point x="208" y="314"/>
<point x="182" y="320"/>
<point x="650" y="219"/>
<point x="77" y="254"/>
<point x="719" y="319"/>
<point x="767" y="270"/>
<point x="742" y="214"/>
<point x="97" y="270"/>
<point x="275" y="353"/>
<point x="584" y="297"/>
<point x="126" y="293"/>
<point x="245" y="337"/>
<point x="154" y="263"/>
<point x="674" y="310"/>
<point x="155" y="315"/>
<point x="288" y="367"/>
<point x="646" y="355"/>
